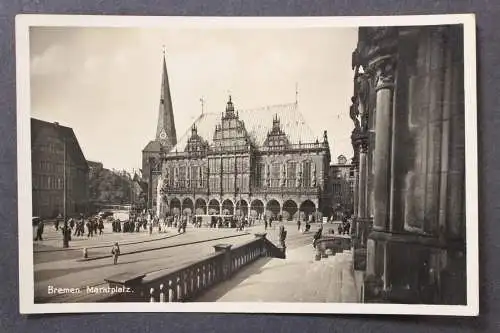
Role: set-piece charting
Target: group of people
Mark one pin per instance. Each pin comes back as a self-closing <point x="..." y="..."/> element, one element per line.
<point x="92" y="224"/>
<point x="345" y="227"/>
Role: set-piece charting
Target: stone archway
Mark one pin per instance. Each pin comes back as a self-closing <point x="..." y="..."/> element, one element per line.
<point x="227" y="207"/>
<point x="175" y="206"/>
<point x="273" y="208"/>
<point x="241" y="208"/>
<point x="187" y="206"/>
<point x="257" y="208"/>
<point x="290" y="210"/>
<point x="213" y="207"/>
<point x="200" y="206"/>
<point x="307" y="208"/>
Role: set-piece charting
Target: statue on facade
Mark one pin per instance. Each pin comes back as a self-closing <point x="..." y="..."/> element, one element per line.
<point x="299" y="175"/>
<point x="354" y="113"/>
<point x="313" y="169"/>
<point x="283" y="174"/>
<point x="166" y="176"/>
<point x="176" y="177"/>
<point x="268" y="175"/>
<point x="325" y="137"/>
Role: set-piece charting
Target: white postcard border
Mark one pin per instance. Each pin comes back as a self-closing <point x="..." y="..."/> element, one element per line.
<point x="26" y="276"/>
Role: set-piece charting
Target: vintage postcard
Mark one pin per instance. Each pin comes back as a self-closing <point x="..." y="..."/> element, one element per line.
<point x="263" y="165"/>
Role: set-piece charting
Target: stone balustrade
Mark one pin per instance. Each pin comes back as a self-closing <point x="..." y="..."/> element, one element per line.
<point x="189" y="281"/>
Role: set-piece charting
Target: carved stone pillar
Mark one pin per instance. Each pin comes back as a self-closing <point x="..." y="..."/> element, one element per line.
<point x="363" y="192"/>
<point x="384" y="67"/>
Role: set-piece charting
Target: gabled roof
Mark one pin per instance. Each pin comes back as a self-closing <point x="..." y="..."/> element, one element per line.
<point x="65" y="133"/>
<point x="258" y="122"/>
<point x="152" y="146"/>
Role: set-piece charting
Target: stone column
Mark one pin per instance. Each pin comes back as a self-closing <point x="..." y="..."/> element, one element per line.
<point x="384" y="67"/>
<point x="362" y="192"/>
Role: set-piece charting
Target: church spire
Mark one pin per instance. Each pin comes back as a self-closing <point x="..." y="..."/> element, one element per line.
<point x="165" y="130"/>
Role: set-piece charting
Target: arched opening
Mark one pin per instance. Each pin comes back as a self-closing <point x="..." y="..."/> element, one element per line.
<point x="307" y="208"/>
<point x="242" y="208"/>
<point x="290" y="210"/>
<point x="257" y="208"/>
<point x="187" y="206"/>
<point x="227" y="207"/>
<point x="273" y="208"/>
<point x="175" y="206"/>
<point x="213" y="207"/>
<point x="200" y="206"/>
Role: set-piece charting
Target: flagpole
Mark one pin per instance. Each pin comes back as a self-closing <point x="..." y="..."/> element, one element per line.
<point x="64" y="180"/>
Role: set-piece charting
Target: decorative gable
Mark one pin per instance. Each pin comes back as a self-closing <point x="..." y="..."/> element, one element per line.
<point x="276" y="137"/>
<point x="196" y="144"/>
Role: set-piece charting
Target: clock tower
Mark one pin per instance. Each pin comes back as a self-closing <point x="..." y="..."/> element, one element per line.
<point x="165" y="129"/>
<point x="165" y="140"/>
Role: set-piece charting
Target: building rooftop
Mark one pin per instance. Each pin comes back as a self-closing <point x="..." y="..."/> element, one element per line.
<point x="258" y="122"/>
<point x="38" y="127"/>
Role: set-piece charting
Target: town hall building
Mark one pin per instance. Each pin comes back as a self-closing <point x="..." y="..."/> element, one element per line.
<point x="250" y="162"/>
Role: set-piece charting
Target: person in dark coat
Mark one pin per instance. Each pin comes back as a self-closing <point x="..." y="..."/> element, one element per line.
<point x="101" y="226"/>
<point x="66" y="233"/>
<point x="282" y="235"/>
<point x="39" y="230"/>
<point x="317" y="236"/>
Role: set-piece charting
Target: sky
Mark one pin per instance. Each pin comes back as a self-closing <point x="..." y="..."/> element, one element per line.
<point x="105" y="82"/>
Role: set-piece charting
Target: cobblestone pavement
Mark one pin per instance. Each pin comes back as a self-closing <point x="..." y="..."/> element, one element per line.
<point x="141" y="253"/>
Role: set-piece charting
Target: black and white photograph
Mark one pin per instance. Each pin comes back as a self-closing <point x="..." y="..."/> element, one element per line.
<point x="262" y="165"/>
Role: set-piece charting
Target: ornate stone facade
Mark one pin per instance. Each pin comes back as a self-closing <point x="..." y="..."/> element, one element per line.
<point x="408" y="140"/>
<point x="239" y="163"/>
<point x="342" y="182"/>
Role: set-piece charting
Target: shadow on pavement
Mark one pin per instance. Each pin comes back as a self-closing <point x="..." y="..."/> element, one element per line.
<point x="219" y="290"/>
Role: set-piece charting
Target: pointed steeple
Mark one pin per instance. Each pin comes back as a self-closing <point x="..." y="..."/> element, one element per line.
<point x="165" y="130"/>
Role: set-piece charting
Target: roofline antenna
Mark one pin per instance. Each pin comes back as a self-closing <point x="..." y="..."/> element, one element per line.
<point x="296" y="93"/>
<point x="164" y="49"/>
<point x="202" y="101"/>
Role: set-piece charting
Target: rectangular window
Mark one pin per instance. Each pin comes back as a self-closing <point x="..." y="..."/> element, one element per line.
<point x="306" y="173"/>
<point x="182" y="176"/>
<point x="194" y="176"/>
<point x="239" y="185"/>
<point x="259" y="174"/>
<point x="291" y="174"/>
<point x="275" y="175"/>
<point x="226" y="167"/>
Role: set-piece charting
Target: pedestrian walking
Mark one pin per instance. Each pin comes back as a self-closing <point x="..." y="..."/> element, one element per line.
<point x="317" y="236"/>
<point x="298" y="224"/>
<point x="89" y="229"/>
<point x="115" y="251"/>
<point x="39" y="230"/>
<point x="282" y="236"/>
<point x="101" y="226"/>
<point x="66" y="233"/>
